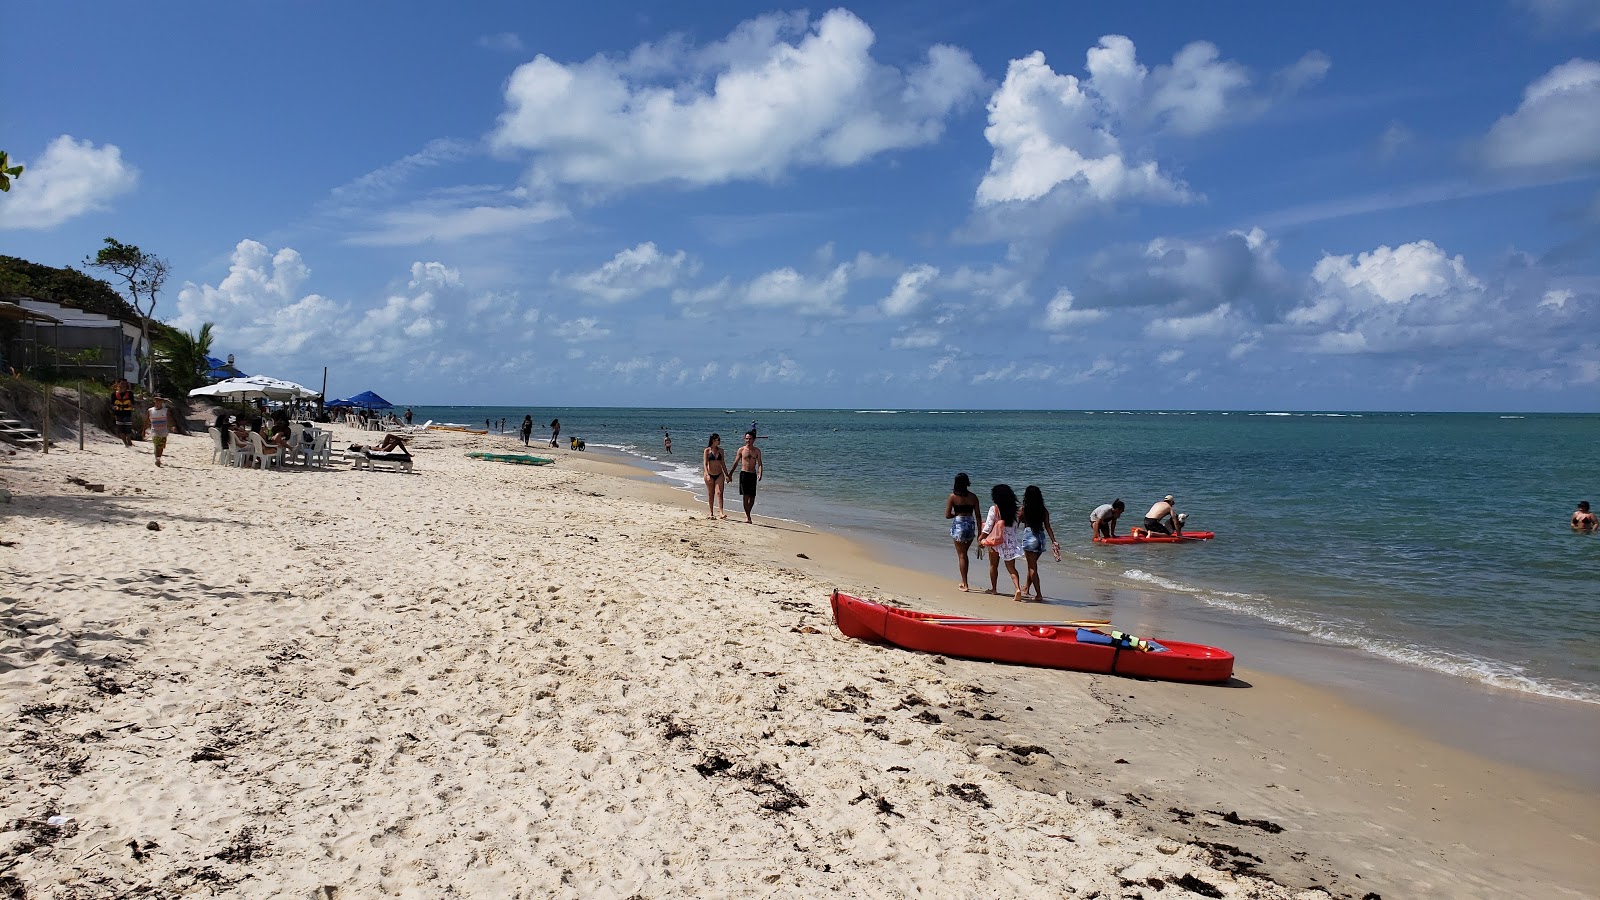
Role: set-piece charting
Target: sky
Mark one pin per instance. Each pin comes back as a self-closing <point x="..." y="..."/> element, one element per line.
<point x="1161" y="205"/>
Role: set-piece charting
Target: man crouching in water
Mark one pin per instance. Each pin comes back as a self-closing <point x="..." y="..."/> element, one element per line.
<point x="1163" y="510"/>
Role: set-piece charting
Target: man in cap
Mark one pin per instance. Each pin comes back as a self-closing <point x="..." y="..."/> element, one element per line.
<point x="1162" y="510"/>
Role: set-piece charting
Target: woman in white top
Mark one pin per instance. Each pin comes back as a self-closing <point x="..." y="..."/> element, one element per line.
<point x="1000" y="538"/>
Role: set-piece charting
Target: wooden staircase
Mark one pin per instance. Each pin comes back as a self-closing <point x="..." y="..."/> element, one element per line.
<point x="17" y="433"/>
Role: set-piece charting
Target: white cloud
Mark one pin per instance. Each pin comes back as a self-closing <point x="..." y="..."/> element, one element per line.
<point x="1059" y="137"/>
<point x="386" y="180"/>
<point x="1394" y="139"/>
<point x="1411" y="296"/>
<point x="434" y="275"/>
<point x="582" y="329"/>
<point x="449" y="221"/>
<point x="1215" y="323"/>
<point x="259" y="305"/>
<point x="778" y="289"/>
<point x="1557" y="125"/>
<point x="1060" y="316"/>
<point x="774" y="95"/>
<point x="916" y="339"/>
<point x="911" y="289"/>
<point x="1168" y="357"/>
<point x="629" y="274"/>
<point x="1556" y="299"/>
<point x="71" y="178"/>
<point x="1047" y="132"/>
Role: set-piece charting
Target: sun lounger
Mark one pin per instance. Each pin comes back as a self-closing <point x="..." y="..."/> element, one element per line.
<point x="371" y="459"/>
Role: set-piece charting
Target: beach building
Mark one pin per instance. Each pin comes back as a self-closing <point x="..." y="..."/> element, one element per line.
<point x="36" y="334"/>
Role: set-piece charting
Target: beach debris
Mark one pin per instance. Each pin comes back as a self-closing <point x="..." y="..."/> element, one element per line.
<point x="970" y="793"/>
<point x="97" y="488"/>
<point x="57" y="821"/>
<point x="1195" y="886"/>
<point x="154" y="526"/>
<point x="141" y="852"/>
<point x="883" y="806"/>
<point x="1232" y="818"/>
<point x="244" y="847"/>
<point x="929" y="717"/>
<point x="802" y="556"/>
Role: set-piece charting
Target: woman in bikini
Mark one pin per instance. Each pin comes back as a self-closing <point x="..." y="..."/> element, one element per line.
<point x="715" y="469"/>
<point x="1035" y="528"/>
<point x="962" y="506"/>
<point x="1000" y="538"/>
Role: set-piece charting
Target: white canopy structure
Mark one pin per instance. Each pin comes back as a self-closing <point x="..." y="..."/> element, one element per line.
<point x="253" y="387"/>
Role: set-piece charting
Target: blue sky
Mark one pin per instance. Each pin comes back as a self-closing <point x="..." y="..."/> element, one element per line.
<point x="931" y="204"/>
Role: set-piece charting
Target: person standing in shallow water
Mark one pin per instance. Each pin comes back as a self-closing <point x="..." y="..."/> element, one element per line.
<point x="962" y="506"/>
<point x="714" y="467"/>
<point x="1584" y="520"/>
<point x="527" y="429"/>
<point x="667" y="442"/>
<point x="1035" y="527"/>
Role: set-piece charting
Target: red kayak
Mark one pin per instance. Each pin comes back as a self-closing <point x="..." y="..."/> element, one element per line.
<point x="1045" y="644"/>
<point x="1184" y="538"/>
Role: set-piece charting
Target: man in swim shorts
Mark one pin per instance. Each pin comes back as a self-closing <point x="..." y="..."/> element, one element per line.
<point x="1583" y="519"/>
<point x="1162" y="510"/>
<point x="748" y="464"/>
<point x="1103" y="521"/>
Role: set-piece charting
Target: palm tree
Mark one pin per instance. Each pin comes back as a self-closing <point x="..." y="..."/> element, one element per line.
<point x="181" y="358"/>
<point x="7" y="171"/>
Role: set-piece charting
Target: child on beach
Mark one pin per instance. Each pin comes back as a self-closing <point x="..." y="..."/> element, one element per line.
<point x="1035" y="527"/>
<point x="1000" y="538"/>
<point x="158" y="426"/>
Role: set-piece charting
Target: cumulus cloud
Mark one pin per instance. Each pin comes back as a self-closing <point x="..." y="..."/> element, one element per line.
<point x="779" y="92"/>
<point x="580" y="330"/>
<point x="1058" y="139"/>
<point x="1214" y="323"/>
<point x="263" y="306"/>
<point x="1556" y="126"/>
<point x="910" y="291"/>
<point x="1411" y="296"/>
<point x="1059" y="314"/>
<point x="916" y="339"/>
<point x="259" y="304"/>
<point x="629" y="274"/>
<point x="779" y="289"/>
<point x="71" y="178"/>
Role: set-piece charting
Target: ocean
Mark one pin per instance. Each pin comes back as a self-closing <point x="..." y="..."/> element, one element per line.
<point x="1433" y="540"/>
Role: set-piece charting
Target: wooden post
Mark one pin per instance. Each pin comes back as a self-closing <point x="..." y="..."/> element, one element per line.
<point x="80" y="415"/>
<point x="44" y="431"/>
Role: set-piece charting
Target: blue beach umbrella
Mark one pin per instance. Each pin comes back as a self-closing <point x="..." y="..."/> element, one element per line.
<point x="369" y="400"/>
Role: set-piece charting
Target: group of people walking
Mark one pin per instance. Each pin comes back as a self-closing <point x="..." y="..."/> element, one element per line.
<point x="1011" y="531"/>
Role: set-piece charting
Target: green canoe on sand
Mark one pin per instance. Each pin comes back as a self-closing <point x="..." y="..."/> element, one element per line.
<point x="521" y="459"/>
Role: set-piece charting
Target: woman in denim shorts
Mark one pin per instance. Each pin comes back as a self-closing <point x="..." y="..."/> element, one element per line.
<point x="962" y="507"/>
<point x="1035" y="528"/>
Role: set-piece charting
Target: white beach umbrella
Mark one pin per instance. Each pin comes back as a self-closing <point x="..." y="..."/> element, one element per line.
<point x="253" y="387"/>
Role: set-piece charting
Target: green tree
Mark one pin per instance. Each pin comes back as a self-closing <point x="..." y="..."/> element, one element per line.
<point x="181" y="358"/>
<point x="7" y="171"/>
<point x="145" y="274"/>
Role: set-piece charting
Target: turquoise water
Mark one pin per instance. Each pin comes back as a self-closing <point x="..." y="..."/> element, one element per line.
<point x="1438" y="540"/>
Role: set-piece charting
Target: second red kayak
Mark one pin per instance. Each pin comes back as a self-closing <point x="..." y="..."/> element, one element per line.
<point x="1185" y="538"/>
<point x="1044" y="644"/>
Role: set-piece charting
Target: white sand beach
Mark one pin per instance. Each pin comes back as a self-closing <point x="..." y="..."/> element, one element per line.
<point x="490" y="680"/>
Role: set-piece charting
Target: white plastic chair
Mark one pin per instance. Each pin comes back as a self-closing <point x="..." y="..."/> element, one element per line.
<point x="226" y="454"/>
<point x="263" y="457"/>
